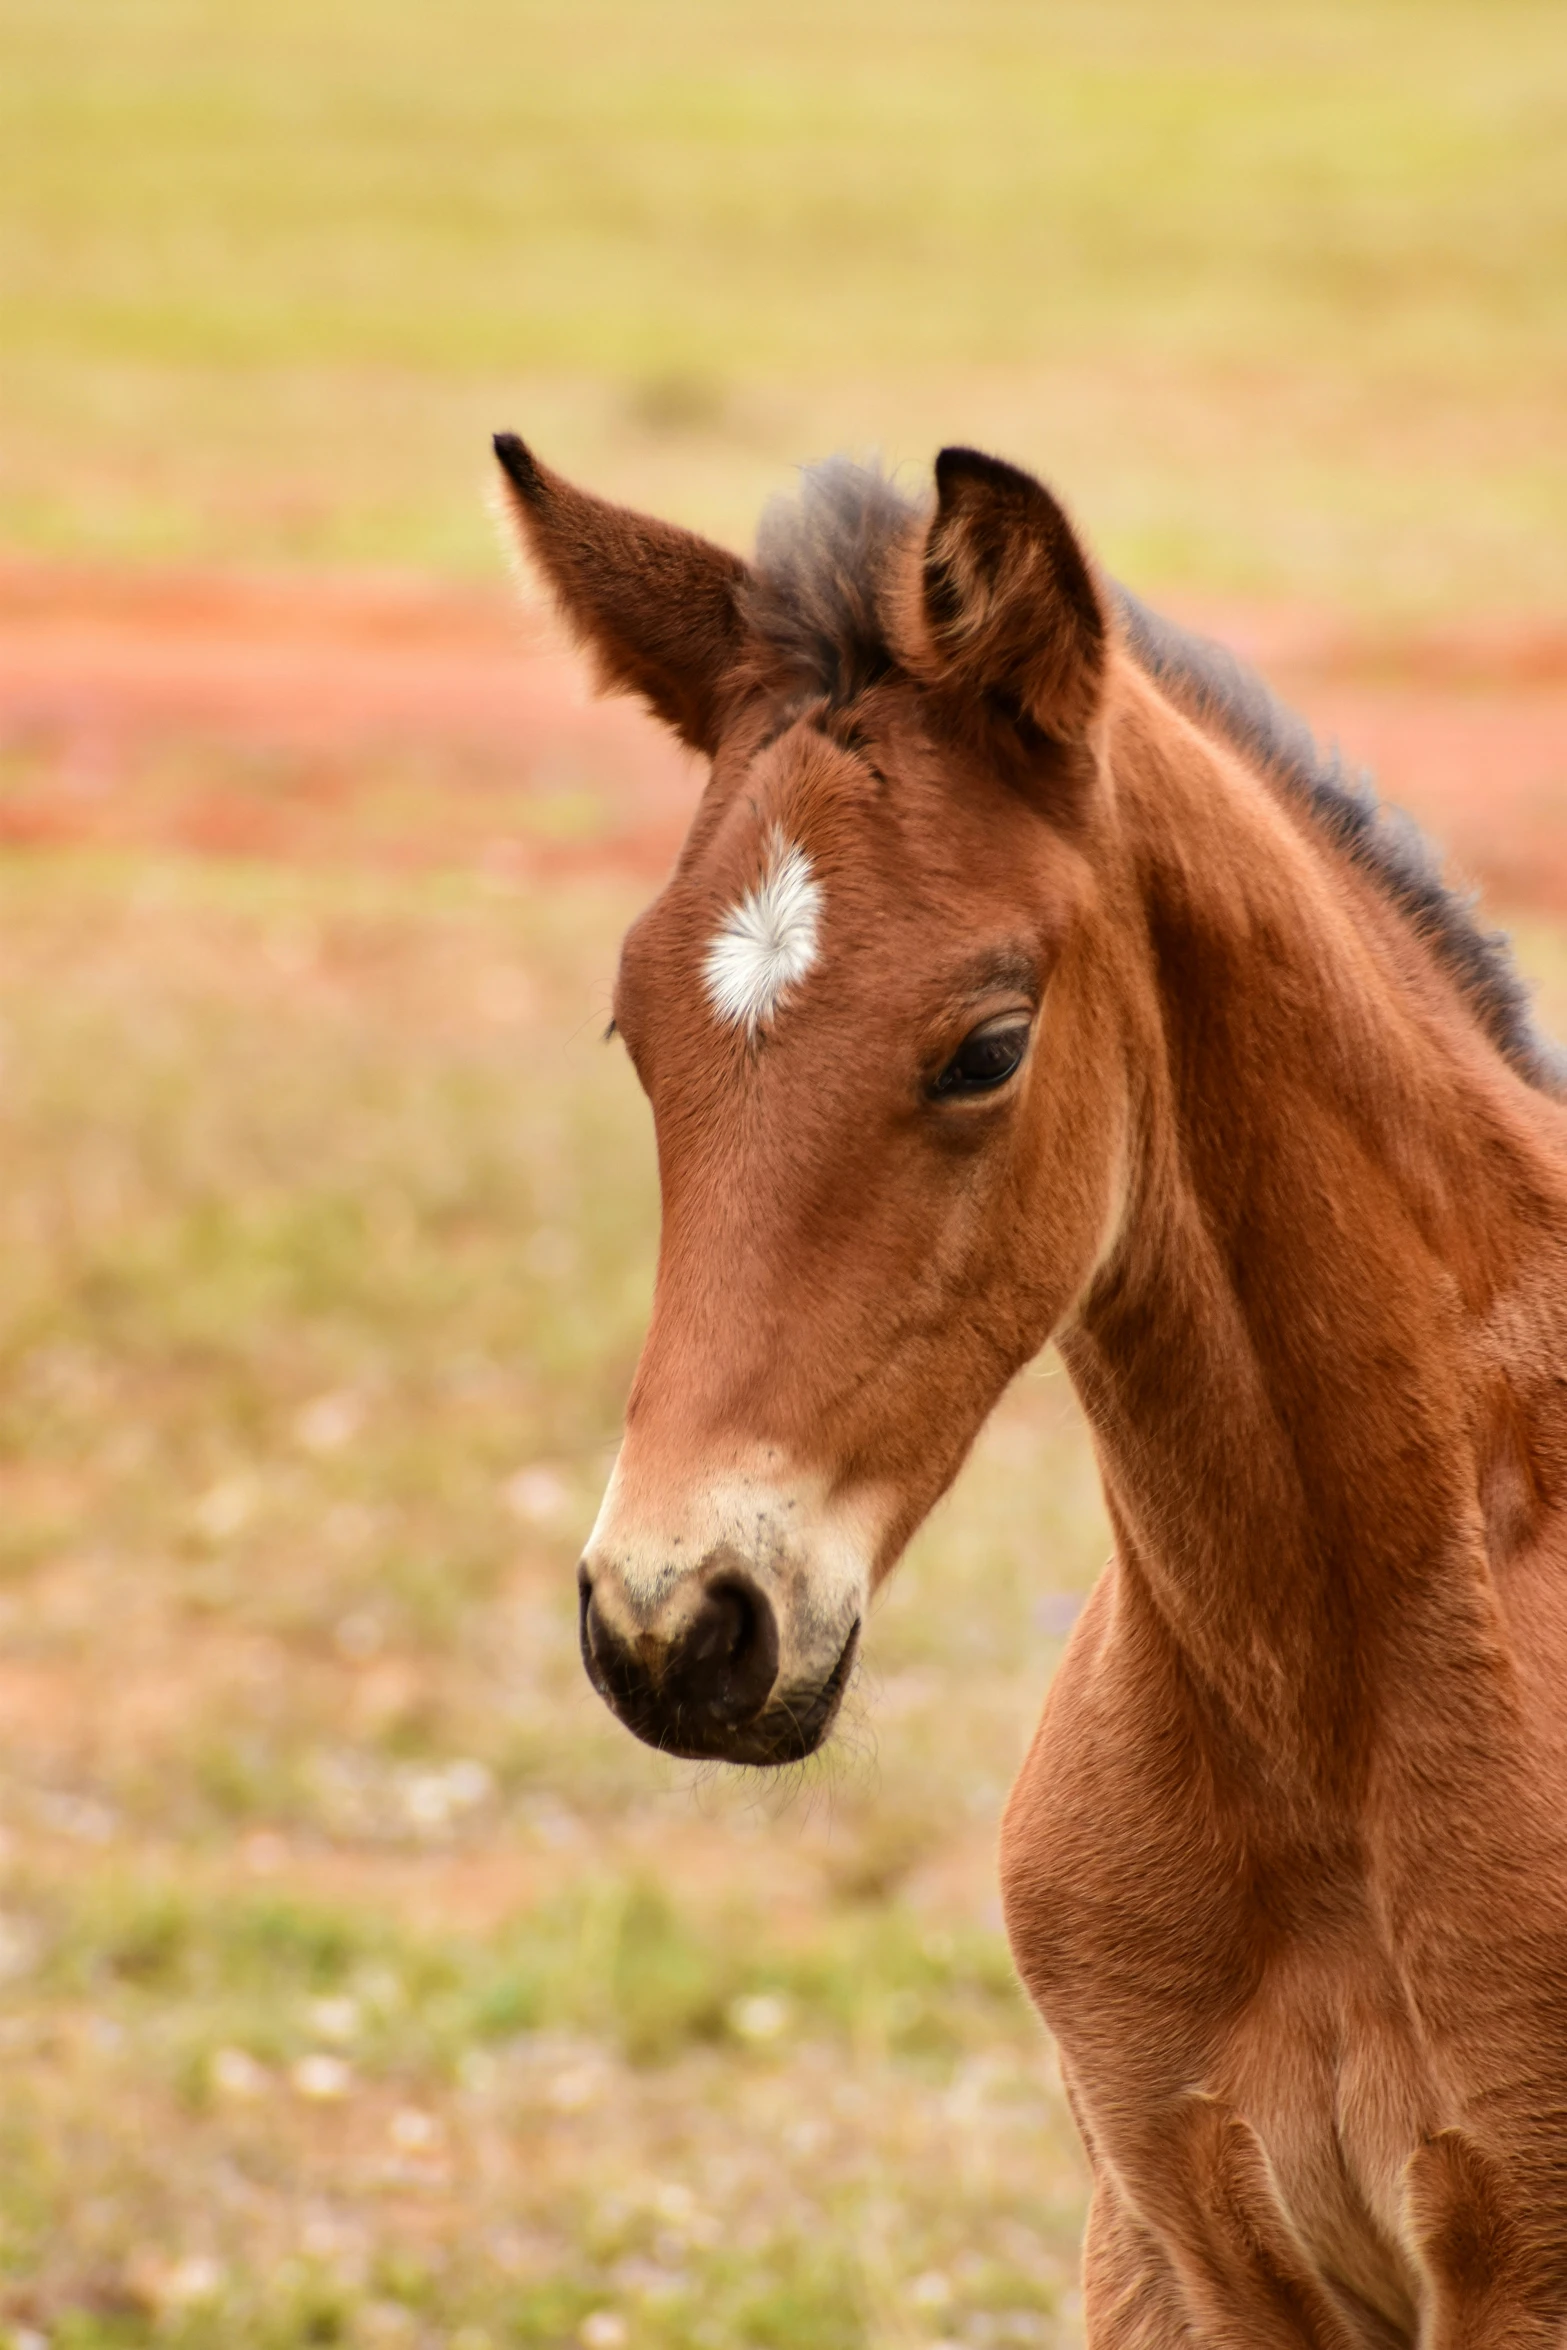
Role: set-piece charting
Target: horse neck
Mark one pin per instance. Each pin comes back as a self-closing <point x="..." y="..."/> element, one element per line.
<point x="1320" y="1365"/>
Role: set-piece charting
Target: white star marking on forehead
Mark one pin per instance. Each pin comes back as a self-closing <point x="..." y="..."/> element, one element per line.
<point x="768" y="944"/>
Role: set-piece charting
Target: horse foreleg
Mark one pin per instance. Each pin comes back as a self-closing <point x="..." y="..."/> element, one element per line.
<point x="1497" y="2280"/>
<point x="1239" y="2278"/>
<point x="1130" y="2298"/>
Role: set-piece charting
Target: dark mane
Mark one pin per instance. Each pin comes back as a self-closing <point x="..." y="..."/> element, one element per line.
<point x="1218" y="689"/>
<point x="815" y="599"/>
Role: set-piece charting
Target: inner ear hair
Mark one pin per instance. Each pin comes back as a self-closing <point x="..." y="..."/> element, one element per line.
<point x="657" y="607"/>
<point x="1007" y="606"/>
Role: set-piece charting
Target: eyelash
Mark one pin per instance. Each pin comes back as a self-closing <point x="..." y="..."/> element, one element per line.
<point x="1007" y="1031"/>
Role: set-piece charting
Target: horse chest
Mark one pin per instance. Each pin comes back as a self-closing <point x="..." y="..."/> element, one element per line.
<point x="1181" y="1989"/>
<point x="1325" y="2069"/>
<point x="1318" y="2074"/>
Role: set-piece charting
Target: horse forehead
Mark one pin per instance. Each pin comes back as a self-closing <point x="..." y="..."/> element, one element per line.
<point x="758" y="885"/>
<point x="768" y="941"/>
<point x="816" y="854"/>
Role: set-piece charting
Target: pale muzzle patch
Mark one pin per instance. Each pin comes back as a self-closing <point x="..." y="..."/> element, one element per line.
<point x="769" y="942"/>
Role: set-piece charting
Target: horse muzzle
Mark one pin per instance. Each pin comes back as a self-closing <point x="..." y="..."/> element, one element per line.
<point x="700" y="1674"/>
<point x="722" y="1600"/>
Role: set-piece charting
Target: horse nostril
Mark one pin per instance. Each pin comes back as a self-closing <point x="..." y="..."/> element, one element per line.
<point x="728" y="1660"/>
<point x="725" y="1627"/>
<point x="691" y="1688"/>
<point x="604" y="1659"/>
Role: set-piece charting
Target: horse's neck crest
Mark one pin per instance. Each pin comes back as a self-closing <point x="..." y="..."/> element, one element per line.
<point x="769" y="942"/>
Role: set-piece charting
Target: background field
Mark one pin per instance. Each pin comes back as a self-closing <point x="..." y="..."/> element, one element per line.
<point x="1275" y="293"/>
<point x="359" y="1981"/>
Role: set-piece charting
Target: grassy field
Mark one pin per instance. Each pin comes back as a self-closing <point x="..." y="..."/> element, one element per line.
<point x="362" y="1980"/>
<point x="1274" y="294"/>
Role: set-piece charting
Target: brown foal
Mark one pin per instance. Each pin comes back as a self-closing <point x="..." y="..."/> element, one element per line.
<point x="1026" y="976"/>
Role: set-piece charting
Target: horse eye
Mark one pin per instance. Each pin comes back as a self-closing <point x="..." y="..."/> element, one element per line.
<point x="984" y="1060"/>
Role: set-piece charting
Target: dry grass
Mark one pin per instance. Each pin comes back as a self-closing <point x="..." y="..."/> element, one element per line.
<point x="327" y="1229"/>
<point x="360" y="1982"/>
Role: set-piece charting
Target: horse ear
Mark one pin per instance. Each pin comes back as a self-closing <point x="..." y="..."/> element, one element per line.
<point x="1008" y="604"/>
<point x="658" y="607"/>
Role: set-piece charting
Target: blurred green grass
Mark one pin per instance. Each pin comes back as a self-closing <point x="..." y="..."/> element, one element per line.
<point x="712" y="186"/>
<point x="1275" y="295"/>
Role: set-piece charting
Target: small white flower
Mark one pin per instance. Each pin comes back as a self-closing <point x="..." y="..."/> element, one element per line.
<point x="223" y="1509"/>
<point x="602" y="2329"/>
<point x="196" y="2278"/>
<point x="469" y="1783"/>
<point x="335" y="2019"/>
<point x="931" y="2291"/>
<point x="413" y="2131"/>
<point x="761" y="2016"/>
<point x="537" y="1496"/>
<point x="433" y="1799"/>
<point x="330" y="1422"/>
<point x="576" y="2088"/>
<point x="322" y="2078"/>
<point x="234" y="2072"/>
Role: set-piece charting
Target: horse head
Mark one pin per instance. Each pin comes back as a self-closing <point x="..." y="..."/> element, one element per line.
<point x="875" y="1015"/>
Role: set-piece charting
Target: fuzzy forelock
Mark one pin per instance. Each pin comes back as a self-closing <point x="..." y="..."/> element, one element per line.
<point x="821" y="559"/>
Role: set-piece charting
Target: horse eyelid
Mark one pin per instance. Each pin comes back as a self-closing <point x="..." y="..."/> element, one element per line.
<point x="999" y="1024"/>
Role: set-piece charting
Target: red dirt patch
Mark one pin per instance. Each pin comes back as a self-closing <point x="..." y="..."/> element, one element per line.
<point x="392" y="722"/>
<point x="405" y="723"/>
